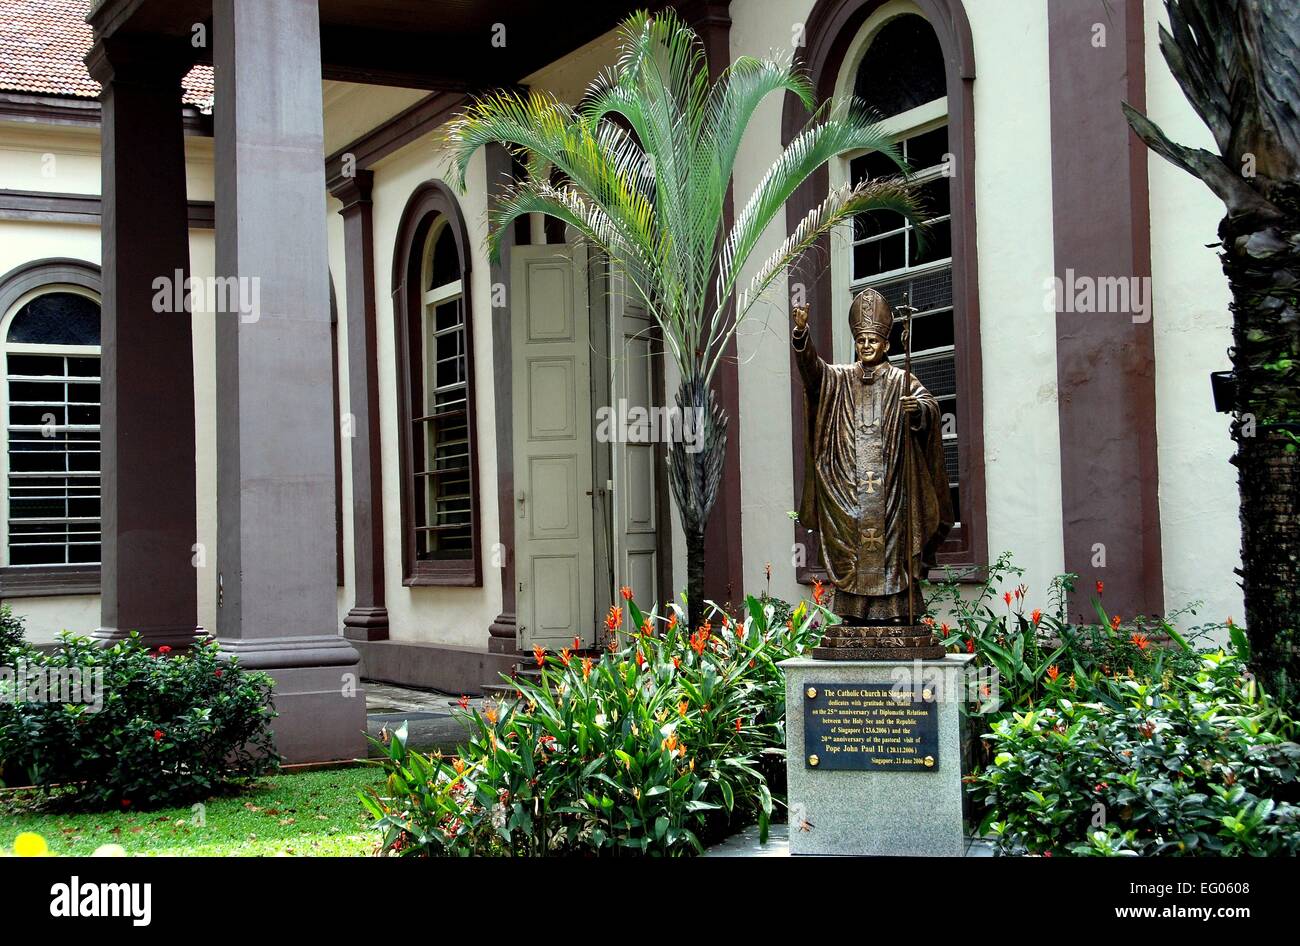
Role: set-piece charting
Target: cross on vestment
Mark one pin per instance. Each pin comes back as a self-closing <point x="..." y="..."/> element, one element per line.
<point x="875" y="541"/>
<point x="873" y="480"/>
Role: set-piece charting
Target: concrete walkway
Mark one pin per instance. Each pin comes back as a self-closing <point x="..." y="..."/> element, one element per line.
<point x="428" y="716"/>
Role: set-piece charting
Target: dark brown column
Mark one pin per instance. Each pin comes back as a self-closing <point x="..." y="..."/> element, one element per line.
<point x="502" y="632"/>
<point x="148" y="582"/>
<point x="277" y="610"/>
<point x="1105" y="361"/>
<point x="724" y="576"/>
<point x="368" y="618"/>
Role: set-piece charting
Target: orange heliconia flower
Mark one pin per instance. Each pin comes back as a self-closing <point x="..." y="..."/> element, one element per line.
<point x="464" y="702"/>
<point x="626" y="592"/>
<point x="490" y="714"/>
<point x="1114" y="622"/>
<point x="577" y="642"/>
<point x="539" y="654"/>
<point x="648" y="628"/>
<point x="944" y="629"/>
<point x="1140" y="641"/>
<point x="640" y="659"/>
<point x="740" y="721"/>
<point x="614" y="620"/>
<point x="1053" y="672"/>
<point x="672" y="620"/>
<point x="1006" y="596"/>
<point x="459" y="766"/>
<point x="677" y="662"/>
<point x="586" y="668"/>
<point x="1036" y="616"/>
<point x="565" y="656"/>
<point x="681" y="708"/>
<point x="819" y="591"/>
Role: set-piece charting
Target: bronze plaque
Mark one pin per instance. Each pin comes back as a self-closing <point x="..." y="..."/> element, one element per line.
<point x="871" y="726"/>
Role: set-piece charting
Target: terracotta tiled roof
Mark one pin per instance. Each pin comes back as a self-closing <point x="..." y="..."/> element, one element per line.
<point x="43" y="43"/>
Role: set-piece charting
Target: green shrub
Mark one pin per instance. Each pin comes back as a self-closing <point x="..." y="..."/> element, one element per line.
<point x="13" y="633"/>
<point x="167" y="730"/>
<point x="1197" y="767"/>
<point x="660" y="746"/>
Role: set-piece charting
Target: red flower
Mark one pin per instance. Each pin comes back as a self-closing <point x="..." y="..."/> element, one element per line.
<point x="586" y="668"/>
<point x="1006" y="596"/>
<point x="464" y="702"/>
<point x="739" y="722"/>
<point x="1100" y="586"/>
<point x="648" y="628"/>
<point x="539" y="654"/>
<point x="626" y="592"/>
<point x="677" y="662"/>
<point x="217" y="674"/>
<point x="126" y="803"/>
<point x="157" y="735"/>
<point x="164" y="650"/>
<point x="970" y="646"/>
<point x="566" y="655"/>
<point x="640" y="659"/>
<point x="614" y="620"/>
<point x="1114" y="622"/>
<point x="1140" y="641"/>
<point x="672" y="621"/>
<point x="944" y="629"/>
<point x="1047" y="854"/>
<point x="577" y="643"/>
<point x="1053" y="672"/>
<point x="1036" y="616"/>
<point x="819" y="591"/>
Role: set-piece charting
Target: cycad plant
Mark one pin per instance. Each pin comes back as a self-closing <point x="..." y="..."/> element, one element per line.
<point x="1238" y="63"/>
<point x="640" y="169"/>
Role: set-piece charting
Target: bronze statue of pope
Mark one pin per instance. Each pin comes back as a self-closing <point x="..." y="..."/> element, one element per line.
<point x="875" y="487"/>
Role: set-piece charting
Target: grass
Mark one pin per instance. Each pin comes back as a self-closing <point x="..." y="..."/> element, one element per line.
<point x="305" y="813"/>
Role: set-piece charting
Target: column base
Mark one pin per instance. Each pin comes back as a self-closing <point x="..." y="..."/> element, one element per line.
<point x="176" y="636"/>
<point x="366" y="624"/>
<point x="503" y="635"/>
<point x="318" y="697"/>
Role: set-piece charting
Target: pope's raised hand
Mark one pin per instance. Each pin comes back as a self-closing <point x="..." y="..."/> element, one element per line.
<point x="800" y="315"/>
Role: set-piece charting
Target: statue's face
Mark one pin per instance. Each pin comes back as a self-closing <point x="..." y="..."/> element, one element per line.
<point x="872" y="348"/>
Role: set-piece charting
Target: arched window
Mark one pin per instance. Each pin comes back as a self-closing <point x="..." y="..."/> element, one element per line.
<point x="440" y="474"/>
<point x="912" y="63"/>
<point x="51" y="402"/>
<point x="896" y="67"/>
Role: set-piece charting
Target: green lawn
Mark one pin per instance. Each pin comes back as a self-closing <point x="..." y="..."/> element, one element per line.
<point x="307" y="813"/>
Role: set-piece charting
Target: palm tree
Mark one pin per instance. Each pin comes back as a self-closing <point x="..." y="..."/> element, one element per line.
<point x="1236" y="61"/>
<point x="640" y="170"/>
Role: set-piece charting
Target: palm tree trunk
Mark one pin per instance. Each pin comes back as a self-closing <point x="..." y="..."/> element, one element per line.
<point x="1263" y="267"/>
<point x="695" y="458"/>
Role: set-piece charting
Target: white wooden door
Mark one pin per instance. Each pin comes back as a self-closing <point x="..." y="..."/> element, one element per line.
<point x="636" y="563"/>
<point x="552" y="433"/>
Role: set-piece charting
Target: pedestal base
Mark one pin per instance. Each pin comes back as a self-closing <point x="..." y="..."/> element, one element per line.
<point x="837" y="809"/>
<point x="878" y="642"/>
<point x="318" y="697"/>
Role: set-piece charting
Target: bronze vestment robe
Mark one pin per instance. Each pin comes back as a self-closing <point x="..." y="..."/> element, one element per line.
<point x="853" y="490"/>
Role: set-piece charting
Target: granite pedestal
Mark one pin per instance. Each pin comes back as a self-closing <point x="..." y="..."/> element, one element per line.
<point x="913" y="808"/>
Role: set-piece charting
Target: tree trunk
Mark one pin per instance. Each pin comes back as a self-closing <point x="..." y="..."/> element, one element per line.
<point x="695" y="457"/>
<point x="1263" y="268"/>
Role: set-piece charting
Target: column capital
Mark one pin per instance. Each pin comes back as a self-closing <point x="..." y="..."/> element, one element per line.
<point x="352" y="190"/>
<point x="139" y="60"/>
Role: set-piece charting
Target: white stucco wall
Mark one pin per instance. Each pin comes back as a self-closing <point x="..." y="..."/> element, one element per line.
<point x="1199" y="526"/>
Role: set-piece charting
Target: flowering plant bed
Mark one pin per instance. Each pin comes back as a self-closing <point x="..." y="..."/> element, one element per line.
<point x="662" y="744"/>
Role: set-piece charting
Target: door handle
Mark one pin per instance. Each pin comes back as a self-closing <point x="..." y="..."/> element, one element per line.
<point x="522" y="499"/>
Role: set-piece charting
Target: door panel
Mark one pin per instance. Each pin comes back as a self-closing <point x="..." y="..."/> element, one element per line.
<point x="635" y="537"/>
<point x="553" y="479"/>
